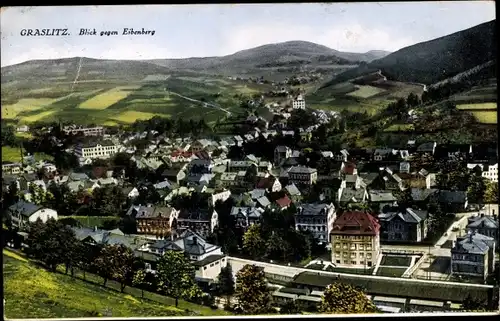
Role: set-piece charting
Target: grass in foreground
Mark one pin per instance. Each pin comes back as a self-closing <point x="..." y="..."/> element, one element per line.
<point x="393" y="260"/>
<point x="92" y="221"/>
<point x="107" y="98"/>
<point x="32" y="292"/>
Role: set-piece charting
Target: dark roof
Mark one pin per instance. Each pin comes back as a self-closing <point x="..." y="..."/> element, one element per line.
<point x="473" y="243"/>
<point x="452" y="196"/>
<point x="91" y="144"/>
<point x="312" y="209"/>
<point x="356" y="223"/>
<point x="152" y="211"/>
<point x="195" y="215"/>
<point x="24" y="208"/>
<point x="209" y="259"/>
<point x="483" y="222"/>
<point x="284" y="201"/>
<point x="397" y="288"/>
<point x="409" y="215"/>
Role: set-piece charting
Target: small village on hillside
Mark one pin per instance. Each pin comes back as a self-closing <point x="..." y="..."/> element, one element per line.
<point x="399" y="223"/>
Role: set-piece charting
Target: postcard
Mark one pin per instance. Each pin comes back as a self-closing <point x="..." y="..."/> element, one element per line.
<point x="237" y="160"/>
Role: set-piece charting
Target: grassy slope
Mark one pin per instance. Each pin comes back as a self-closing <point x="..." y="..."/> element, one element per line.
<point x="32" y="292"/>
<point x="11" y="154"/>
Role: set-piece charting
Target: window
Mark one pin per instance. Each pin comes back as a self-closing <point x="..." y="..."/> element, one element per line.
<point x="369" y="264"/>
<point x="211" y="265"/>
<point x="353" y="262"/>
<point x="338" y="261"/>
<point x="216" y="262"/>
<point x="204" y="268"/>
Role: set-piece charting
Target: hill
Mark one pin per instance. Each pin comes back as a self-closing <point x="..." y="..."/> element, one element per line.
<point x="32" y="292"/>
<point x="432" y="61"/>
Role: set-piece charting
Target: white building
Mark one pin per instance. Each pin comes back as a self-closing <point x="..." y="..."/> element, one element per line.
<point x="299" y="103"/>
<point x="23" y="212"/>
<point x="86" y="131"/>
<point x="491" y="172"/>
<point x="102" y="149"/>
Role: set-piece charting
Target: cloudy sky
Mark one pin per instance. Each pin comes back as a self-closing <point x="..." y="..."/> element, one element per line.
<point x="213" y="30"/>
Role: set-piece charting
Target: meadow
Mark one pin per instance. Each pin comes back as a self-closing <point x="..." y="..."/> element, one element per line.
<point x="32" y="292"/>
<point x="477" y="106"/>
<point x="486" y="117"/>
<point x="131" y="116"/>
<point x="10" y="111"/>
<point x="366" y="91"/>
<point x="107" y="98"/>
<point x="485" y="113"/>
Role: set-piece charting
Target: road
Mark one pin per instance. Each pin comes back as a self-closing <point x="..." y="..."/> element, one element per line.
<point x="201" y="102"/>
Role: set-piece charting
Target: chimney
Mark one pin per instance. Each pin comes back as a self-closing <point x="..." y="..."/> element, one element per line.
<point x="195" y="240"/>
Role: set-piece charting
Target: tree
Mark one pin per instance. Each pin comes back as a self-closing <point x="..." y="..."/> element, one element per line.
<point x="253" y="243"/>
<point x="140" y="280"/>
<point x="276" y="247"/>
<point x="175" y="275"/>
<point x="290" y="307"/>
<point x="476" y="189"/>
<point x="344" y="298"/>
<point x="471" y="304"/>
<point x="404" y="198"/>
<point x="52" y="243"/>
<point x="226" y="282"/>
<point x="251" y="290"/>
<point x="491" y="193"/>
<point x="115" y="262"/>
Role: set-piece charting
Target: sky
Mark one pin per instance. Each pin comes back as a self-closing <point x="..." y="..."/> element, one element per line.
<point x="183" y="31"/>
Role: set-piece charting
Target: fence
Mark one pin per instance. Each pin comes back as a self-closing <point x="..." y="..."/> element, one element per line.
<point x="402" y="252"/>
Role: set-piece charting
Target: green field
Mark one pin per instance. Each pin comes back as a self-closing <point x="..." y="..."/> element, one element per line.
<point x="366" y="91"/>
<point x="477" y="106"/>
<point x="396" y="260"/>
<point x="32" y="292"/>
<point x="107" y="98"/>
<point x="486" y="117"/>
<point x="11" y="154"/>
<point x="131" y="116"/>
<point x="27" y="104"/>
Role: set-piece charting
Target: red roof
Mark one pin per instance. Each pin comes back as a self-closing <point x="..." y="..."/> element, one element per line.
<point x="181" y="153"/>
<point x="349" y="168"/>
<point x="356" y="223"/>
<point x="284" y="201"/>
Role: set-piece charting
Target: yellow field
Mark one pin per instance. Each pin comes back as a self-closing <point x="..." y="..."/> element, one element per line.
<point x="477" y="106"/>
<point x="107" y="98"/>
<point x="365" y="91"/>
<point x="37" y="117"/>
<point x="486" y="117"/>
<point x="110" y="123"/>
<point x="25" y="104"/>
<point x="24" y="135"/>
<point x="131" y="116"/>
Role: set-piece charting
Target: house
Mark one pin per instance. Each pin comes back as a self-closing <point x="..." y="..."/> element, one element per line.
<point x="382" y="154"/>
<point x="404" y="167"/>
<point x="293" y="192"/>
<point x="283" y="202"/>
<point x="200" y="166"/>
<point x="351" y="195"/>
<point x="408" y="225"/>
<point x="97" y="149"/>
<point x="453" y="201"/>
<point x="341" y="156"/>
<point x="490" y="172"/>
<point x="281" y="153"/>
<point x="317" y="218"/>
<point x="299" y="102"/>
<point x="484" y="225"/>
<point x="219" y="195"/>
<point x="174" y="175"/>
<point x="271" y="184"/>
<point x="201" y="221"/>
<point x="199" y="145"/>
<point x="355" y="239"/>
<point x="227" y="180"/>
<point x="11" y="168"/>
<point x="422" y="196"/>
<point x="85" y="131"/>
<point x="130" y="192"/>
<point x="301" y="175"/>
<point x="24" y="212"/>
<point x="484" y="153"/>
<point x="246" y="216"/>
<point x="206" y="257"/>
<point x="381" y="198"/>
<point x="473" y="255"/>
<point x="427" y="148"/>
<point x="453" y="151"/>
<point x="154" y="220"/>
<point x="348" y="168"/>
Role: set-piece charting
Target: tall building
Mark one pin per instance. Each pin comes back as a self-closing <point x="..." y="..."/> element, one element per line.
<point x="93" y="150"/>
<point x="355" y="239"/>
<point x="299" y="103"/>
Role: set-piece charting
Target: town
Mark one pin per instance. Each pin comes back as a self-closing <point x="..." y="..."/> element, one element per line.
<point x="265" y="209"/>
